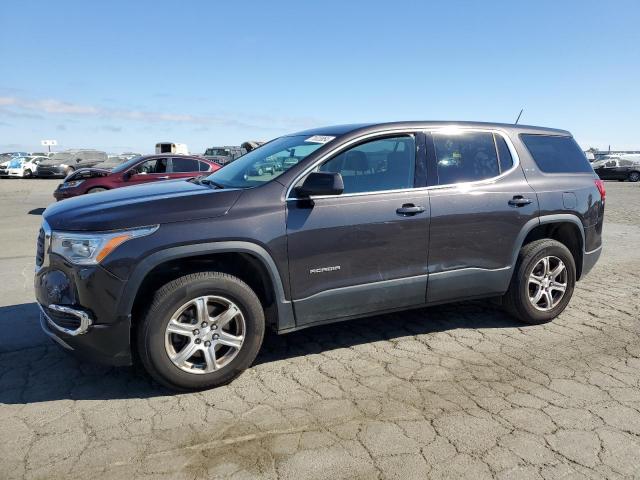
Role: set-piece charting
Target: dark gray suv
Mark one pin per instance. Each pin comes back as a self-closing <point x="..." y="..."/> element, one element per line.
<point x="369" y="219"/>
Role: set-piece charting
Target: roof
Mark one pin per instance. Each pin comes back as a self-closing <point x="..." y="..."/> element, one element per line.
<point x="338" y="130"/>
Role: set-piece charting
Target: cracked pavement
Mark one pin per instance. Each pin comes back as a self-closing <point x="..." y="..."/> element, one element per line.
<point x="457" y="391"/>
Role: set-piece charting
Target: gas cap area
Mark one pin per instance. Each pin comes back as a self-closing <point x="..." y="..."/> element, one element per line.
<point x="569" y="200"/>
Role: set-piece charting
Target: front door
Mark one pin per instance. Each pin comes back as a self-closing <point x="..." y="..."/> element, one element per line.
<point x="365" y="250"/>
<point x="480" y="202"/>
<point x="148" y="171"/>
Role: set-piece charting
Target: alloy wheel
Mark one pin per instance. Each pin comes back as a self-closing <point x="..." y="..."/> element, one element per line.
<point x="547" y="283"/>
<point x="205" y="334"/>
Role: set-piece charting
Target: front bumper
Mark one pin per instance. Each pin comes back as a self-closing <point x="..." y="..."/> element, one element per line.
<point x="49" y="172"/>
<point x="61" y="194"/>
<point x="78" y="310"/>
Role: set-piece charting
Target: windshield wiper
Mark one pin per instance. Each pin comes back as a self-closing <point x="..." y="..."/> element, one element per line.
<point x="206" y="181"/>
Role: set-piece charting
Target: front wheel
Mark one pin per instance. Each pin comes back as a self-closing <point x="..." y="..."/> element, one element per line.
<point x="27" y="174"/>
<point x="634" y="176"/>
<point x="201" y="331"/>
<point x="543" y="282"/>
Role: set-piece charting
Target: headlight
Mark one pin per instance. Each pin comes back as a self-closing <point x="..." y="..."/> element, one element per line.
<point x="92" y="248"/>
<point x="71" y="184"/>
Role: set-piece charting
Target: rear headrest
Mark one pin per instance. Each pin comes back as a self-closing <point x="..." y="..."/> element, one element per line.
<point x="356" y="161"/>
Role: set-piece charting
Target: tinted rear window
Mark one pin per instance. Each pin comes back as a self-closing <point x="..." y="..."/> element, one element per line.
<point x="555" y="154"/>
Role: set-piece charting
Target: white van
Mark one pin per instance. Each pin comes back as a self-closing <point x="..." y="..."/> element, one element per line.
<point x="168" y="147"/>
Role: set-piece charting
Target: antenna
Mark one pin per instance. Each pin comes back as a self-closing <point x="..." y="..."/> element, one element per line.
<point x="521" y="110"/>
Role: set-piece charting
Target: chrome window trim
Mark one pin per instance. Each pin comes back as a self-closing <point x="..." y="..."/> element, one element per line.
<point x="410" y="131"/>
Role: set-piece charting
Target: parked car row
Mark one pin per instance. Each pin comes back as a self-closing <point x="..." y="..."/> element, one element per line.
<point x="61" y="164"/>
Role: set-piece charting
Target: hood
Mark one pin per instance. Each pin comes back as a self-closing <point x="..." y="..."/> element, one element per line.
<point x="140" y="205"/>
<point x="87" y="173"/>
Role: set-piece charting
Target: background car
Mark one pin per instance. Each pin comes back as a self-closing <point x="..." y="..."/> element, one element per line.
<point x="224" y="155"/>
<point x="139" y="170"/>
<point x="4" y="166"/>
<point x="113" y="161"/>
<point x="64" y="163"/>
<point x="618" y="169"/>
<point x="24" y="167"/>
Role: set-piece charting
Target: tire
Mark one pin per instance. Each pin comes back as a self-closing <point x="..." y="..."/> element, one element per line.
<point x="27" y="174"/>
<point x="96" y="190"/>
<point x="518" y="300"/>
<point x="155" y="344"/>
<point x="634" y="176"/>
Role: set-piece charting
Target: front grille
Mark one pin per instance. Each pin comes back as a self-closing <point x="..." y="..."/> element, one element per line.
<point x="62" y="319"/>
<point x="40" y="248"/>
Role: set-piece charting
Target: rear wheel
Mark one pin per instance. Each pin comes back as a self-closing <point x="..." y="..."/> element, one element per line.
<point x="543" y="282"/>
<point x="201" y="331"/>
<point x="634" y="176"/>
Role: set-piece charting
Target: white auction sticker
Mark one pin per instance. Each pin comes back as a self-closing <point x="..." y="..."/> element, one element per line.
<point x="319" y="139"/>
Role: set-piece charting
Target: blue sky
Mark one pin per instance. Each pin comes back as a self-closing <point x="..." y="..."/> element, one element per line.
<point x="122" y="75"/>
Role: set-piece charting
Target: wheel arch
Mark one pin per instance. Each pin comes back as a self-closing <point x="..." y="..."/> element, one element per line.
<point x="565" y="228"/>
<point x="232" y="257"/>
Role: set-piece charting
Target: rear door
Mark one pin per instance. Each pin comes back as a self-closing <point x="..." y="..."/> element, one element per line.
<point x="480" y="201"/>
<point x="365" y="250"/>
<point x="184" y="167"/>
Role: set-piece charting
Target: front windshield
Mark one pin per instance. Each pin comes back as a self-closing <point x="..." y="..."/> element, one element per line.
<point x="126" y="165"/>
<point x="220" y="152"/>
<point x="266" y="162"/>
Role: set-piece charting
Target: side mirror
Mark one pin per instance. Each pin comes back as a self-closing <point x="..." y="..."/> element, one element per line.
<point x="321" y="183"/>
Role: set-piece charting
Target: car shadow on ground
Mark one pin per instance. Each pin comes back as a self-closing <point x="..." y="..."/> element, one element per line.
<point x="35" y="369"/>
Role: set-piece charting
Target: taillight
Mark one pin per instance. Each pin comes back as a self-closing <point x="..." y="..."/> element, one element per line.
<point x="600" y="185"/>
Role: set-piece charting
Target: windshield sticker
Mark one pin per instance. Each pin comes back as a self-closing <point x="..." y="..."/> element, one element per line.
<point x="319" y="139"/>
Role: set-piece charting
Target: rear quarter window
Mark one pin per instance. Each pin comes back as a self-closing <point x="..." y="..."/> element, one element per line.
<point x="556" y="154"/>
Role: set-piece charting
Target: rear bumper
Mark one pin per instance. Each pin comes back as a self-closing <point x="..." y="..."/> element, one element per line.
<point x="589" y="259"/>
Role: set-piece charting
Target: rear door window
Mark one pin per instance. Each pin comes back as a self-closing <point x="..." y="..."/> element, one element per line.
<point x="183" y="165"/>
<point x="556" y="154"/>
<point x="504" y="154"/>
<point x="466" y="157"/>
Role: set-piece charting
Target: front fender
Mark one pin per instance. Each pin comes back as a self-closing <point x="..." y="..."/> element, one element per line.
<point x="285" y="309"/>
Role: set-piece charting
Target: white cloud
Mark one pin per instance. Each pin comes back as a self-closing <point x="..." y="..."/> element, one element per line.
<point x="19" y="106"/>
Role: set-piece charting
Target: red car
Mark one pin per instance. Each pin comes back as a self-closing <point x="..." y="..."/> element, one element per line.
<point x="138" y="170"/>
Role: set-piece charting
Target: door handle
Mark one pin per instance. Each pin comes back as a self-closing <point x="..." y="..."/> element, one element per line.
<point x="409" y="209"/>
<point x="519" y="201"/>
